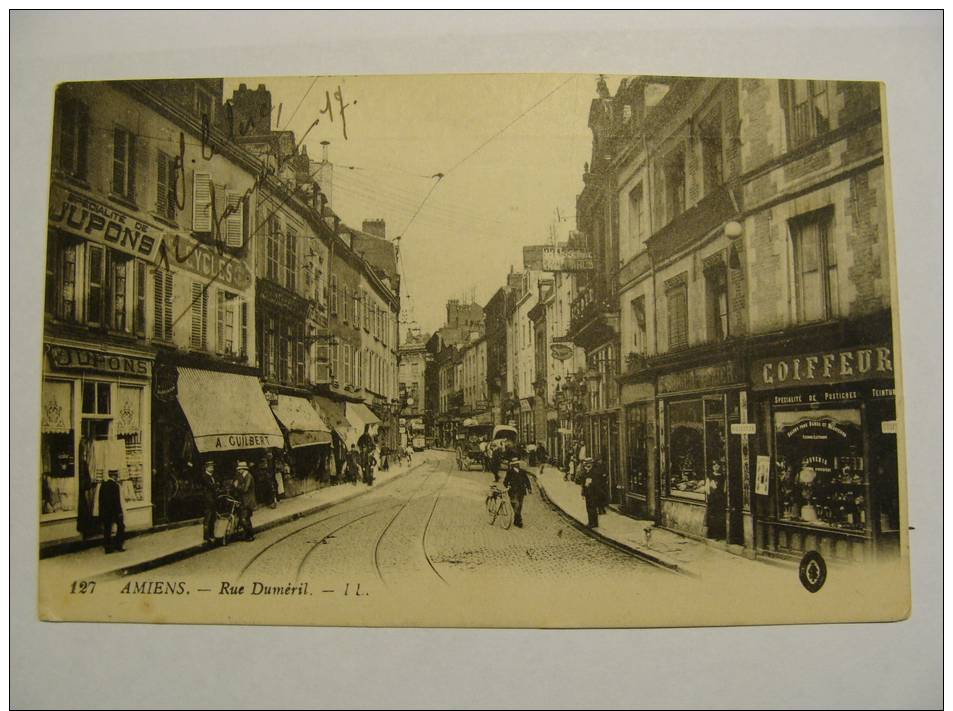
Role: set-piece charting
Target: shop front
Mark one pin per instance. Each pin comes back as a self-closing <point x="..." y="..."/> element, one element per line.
<point x="343" y="435"/>
<point x="700" y="411"/>
<point x="526" y="421"/>
<point x="362" y="420"/>
<point x="308" y="440"/>
<point x="826" y="471"/>
<point x="603" y="446"/>
<point x="94" y="407"/>
<point x="640" y="477"/>
<point x="205" y="415"/>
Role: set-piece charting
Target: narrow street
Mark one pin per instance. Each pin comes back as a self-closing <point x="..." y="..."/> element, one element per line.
<point x="428" y="528"/>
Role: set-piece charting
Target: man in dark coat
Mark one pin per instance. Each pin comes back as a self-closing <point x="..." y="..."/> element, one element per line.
<point x="209" y="501"/>
<point x="245" y="493"/>
<point x="592" y="491"/>
<point x="110" y="512"/>
<point x="353" y="465"/>
<point x="518" y="486"/>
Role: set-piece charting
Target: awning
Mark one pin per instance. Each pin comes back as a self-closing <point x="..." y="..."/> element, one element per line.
<point x="333" y="413"/>
<point x="304" y="424"/>
<point x="360" y="416"/>
<point x="226" y="411"/>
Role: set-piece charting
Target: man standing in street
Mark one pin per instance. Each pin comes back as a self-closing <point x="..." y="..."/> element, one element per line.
<point x="245" y="493"/>
<point x="591" y="490"/>
<point x="209" y="501"/>
<point x="110" y="512"/>
<point x="518" y="486"/>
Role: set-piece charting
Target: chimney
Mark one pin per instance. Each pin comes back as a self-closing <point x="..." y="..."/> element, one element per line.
<point x="324" y="173"/>
<point x="375" y="227"/>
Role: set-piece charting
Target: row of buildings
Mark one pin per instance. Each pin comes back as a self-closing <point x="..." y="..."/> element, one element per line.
<point x="203" y="302"/>
<point x="718" y="329"/>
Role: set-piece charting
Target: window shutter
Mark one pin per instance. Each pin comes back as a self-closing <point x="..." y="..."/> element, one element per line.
<point x="220" y="321"/>
<point x="82" y="138"/>
<point x="199" y="315"/>
<point x="243" y="326"/>
<point x="130" y="191"/>
<point x="201" y="202"/>
<point x="162" y="185"/>
<point x="236" y="220"/>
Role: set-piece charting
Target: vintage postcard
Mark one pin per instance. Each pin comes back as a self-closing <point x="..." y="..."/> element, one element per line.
<point x="471" y="350"/>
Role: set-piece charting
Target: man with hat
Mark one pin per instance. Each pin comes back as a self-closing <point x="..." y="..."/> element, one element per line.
<point x="209" y="501"/>
<point x="591" y="490"/>
<point x="518" y="486"/>
<point x="244" y="487"/>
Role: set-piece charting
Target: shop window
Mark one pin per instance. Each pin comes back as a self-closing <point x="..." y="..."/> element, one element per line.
<point x="815" y="267"/>
<point x="74" y="138"/>
<point x="291" y="259"/>
<point x="712" y="144"/>
<point x="716" y="287"/>
<point x="697" y="454"/>
<point x="61" y="278"/>
<point x="165" y="186"/>
<point x="198" y="337"/>
<point x="639" y="437"/>
<point x="806" y="109"/>
<point x="57" y="445"/>
<point x="821" y="475"/>
<point x="162" y="304"/>
<point x="677" y="297"/>
<point x="124" y="163"/>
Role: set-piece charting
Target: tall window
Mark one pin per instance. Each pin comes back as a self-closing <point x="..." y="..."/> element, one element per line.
<point x="291" y="259"/>
<point x="333" y="288"/>
<point x="165" y="186"/>
<point x="61" y="278"/>
<point x="716" y="286"/>
<point x="638" y="324"/>
<point x="345" y="302"/>
<point x="673" y="173"/>
<point x="74" y="137"/>
<point x="95" y="284"/>
<point x="162" y="304"/>
<point x="636" y="216"/>
<point x="124" y="163"/>
<point x="713" y="160"/>
<point x="231" y="317"/>
<point x="272" y="249"/>
<point x="677" y="297"/>
<point x="815" y="267"/>
<point x="806" y="108"/>
<point x="269" y="353"/>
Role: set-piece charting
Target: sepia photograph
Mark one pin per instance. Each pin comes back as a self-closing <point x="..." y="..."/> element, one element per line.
<point x="294" y="373"/>
<point x="476" y="359"/>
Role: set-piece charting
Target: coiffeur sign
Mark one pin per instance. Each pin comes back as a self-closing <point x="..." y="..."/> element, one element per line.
<point x="823" y="368"/>
<point x="86" y="217"/>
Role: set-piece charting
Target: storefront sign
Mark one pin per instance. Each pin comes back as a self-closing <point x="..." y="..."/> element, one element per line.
<point x="822" y="368"/>
<point x="560" y="351"/>
<point x="827" y="396"/>
<point x="205" y="261"/>
<point x="762" y="475"/>
<point x="699" y="378"/>
<point x="97" y="221"/>
<point x="273" y="295"/>
<point x="744" y="428"/>
<point x="557" y="258"/>
<point x="223" y="443"/>
<point x="69" y="358"/>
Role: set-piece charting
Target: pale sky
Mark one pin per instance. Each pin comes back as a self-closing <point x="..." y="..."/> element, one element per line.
<point x="403" y="129"/>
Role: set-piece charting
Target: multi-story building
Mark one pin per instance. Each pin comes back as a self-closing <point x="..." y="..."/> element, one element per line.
<point x="755" y="302"/>
<point x="150" y="330"/>
<point x="495" y="313"/>
<point x="412" y="379"/>
<point x="521" y="352"/>
<point x="476" y="404"/>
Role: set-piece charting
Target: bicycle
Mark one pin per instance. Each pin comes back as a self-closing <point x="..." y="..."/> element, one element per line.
<point x="226" y="510"/>
<point x="498" y="507"/>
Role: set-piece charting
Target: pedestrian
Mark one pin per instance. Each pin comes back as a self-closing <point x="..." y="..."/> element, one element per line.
<point x="591" y="492"/>
<point x="369" y="463"/>
<point x="496" y="456"/>
<point x="518" y="486"/>
<point x="353" y="465"/>
<point x="111" y="512"/>
<point x="570" y="474"/>
<point x="209" y="501"/>
<point x="602" y="484"/>
<point x="244" y="486"/>
<point x="541" y="457"/>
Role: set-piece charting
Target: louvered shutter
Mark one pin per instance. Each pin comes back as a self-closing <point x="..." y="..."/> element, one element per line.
<point x="199" y="315"/>
<point x="235" y="221"/>
<point x="220" y="321"/>
<point x="158" y="304"/>
<point x="201" y="202"/>
<point x="243" y="325"/>
<point x="162" y="185"/>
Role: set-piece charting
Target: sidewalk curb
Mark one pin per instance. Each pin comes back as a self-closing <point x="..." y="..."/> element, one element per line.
<point x="649" y="556"/>
<point x="191" y="551"/>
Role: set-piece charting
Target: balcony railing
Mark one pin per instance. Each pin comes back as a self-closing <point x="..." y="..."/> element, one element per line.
<point x="587" y="305"/>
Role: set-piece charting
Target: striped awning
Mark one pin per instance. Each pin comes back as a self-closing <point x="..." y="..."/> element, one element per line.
<point x="360" y="416"/>
<point x="304" y="424"/>
<point x="333" y="413"/>
<point x="226" y="411"/>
